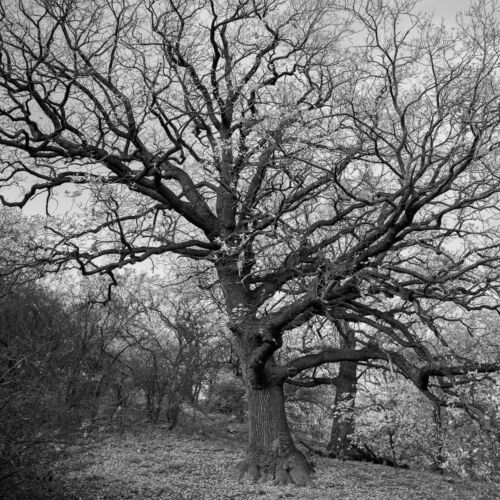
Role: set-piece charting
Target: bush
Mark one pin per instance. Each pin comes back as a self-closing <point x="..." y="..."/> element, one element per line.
<point x="396" y="421"/>
<point x="34" y="347"/>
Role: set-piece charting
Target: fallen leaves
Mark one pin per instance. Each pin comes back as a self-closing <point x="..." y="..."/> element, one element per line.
<point x="160" y="464"/>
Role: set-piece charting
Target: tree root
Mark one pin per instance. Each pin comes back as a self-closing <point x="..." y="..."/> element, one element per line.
<point x="292" y="468"/>
<point x="366" y="454"/>
<point x="312" y="449"/>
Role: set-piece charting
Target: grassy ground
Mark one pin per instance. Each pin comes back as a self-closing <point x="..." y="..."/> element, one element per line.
<point x="151" y="462"/>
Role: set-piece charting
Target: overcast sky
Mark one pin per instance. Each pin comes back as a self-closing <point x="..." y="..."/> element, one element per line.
<point x="445" y="8"/>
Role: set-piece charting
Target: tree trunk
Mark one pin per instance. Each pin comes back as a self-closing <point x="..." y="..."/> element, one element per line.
<point x="271" y="453"/>
<point x="340" y="444"/>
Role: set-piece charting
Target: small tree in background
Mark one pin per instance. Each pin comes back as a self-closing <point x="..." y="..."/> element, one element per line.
<point x="173" y="350"/>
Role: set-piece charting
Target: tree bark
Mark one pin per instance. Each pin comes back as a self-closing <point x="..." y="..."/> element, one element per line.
<point x="271" y="453"/>
<point x="340" y="444"/>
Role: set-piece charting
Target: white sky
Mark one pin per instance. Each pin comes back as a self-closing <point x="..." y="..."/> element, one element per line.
<point x="446" y="9"/>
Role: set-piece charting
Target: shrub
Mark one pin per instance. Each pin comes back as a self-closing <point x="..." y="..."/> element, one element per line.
<point x="398" y="422"/>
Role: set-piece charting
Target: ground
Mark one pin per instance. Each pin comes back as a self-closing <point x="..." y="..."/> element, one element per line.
<point x="151" y="462"/>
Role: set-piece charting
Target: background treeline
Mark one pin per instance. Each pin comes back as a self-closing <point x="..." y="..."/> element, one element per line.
<point x="69" y="365"/>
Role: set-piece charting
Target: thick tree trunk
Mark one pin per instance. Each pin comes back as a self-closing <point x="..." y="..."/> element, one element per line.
<point x="272" y="454"/>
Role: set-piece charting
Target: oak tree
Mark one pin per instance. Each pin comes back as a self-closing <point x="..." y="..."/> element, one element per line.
<point x="321" y="157"/>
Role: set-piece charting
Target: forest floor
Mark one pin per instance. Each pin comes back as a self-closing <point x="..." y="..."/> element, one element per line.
<point x="151" y="462"/>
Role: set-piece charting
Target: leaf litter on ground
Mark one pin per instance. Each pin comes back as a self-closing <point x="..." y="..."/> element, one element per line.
<point x="155" y="463"/>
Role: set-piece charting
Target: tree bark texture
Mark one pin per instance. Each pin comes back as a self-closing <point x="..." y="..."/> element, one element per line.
<point x="340" y="444"/>
<point x="271" y="453"/>
<point x="343" y="425"/>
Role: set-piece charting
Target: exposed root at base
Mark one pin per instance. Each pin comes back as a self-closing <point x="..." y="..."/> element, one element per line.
<point x="366" y="454"/>
<point x="280" y="470"/>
